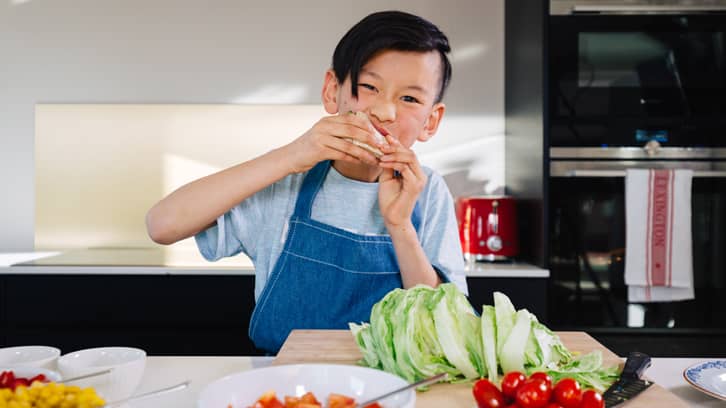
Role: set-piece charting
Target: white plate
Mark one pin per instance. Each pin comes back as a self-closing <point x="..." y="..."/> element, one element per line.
<point x="708" y="377"/>
<point x="243" y="389"/>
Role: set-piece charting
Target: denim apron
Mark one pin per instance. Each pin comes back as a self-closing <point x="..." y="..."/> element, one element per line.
<point x="325" y="276"/>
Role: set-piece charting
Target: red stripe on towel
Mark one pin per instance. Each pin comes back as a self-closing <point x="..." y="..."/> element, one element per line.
<point x="672" y="190"/>
<point x="648" y="229"/>
<point x="661" y="226"/>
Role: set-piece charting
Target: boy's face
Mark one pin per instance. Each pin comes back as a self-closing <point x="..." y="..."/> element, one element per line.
<point x="397" y="90"/>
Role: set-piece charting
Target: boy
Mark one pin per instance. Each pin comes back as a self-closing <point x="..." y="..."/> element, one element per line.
<point x="331" y="226"/>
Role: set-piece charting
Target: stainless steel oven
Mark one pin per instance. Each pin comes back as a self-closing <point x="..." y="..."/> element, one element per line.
<point x="623" y="73"/>
<point x="632" y="84"/>
<point x="587" y="240"/>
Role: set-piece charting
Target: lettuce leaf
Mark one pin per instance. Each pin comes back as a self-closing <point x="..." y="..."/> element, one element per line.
<point x="423" y="331"/>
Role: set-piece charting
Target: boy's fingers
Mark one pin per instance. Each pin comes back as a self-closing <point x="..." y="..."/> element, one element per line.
<point x="409" y="171"/>
<point x="360" y="121"/>
<point x="403" y="155"/>
<point x="345" y="127"/>
<point x="400" y="156"/>
<point x="352" y="150"/>
<point x="393" y="141"/>
<point x="346" y="130"/>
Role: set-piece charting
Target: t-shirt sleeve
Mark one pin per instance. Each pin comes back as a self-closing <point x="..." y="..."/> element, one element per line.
<point x="255" y="221"/>
<point x="440" y="239"/>
<point x="220" y="240"/>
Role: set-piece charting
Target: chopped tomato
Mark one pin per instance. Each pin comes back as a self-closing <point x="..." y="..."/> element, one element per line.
<point x="7" y="378"/>
<point x="308" y="405"/>
<point x="268" y="400"/>
<point x="309" y="398"/>
<point x="39" y="377"/>
<point x="340" y="401"/>
<point x="291" y="402"/>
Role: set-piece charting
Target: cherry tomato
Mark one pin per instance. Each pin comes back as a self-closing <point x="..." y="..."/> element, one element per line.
<point x="592" y="399"/>
<point x="543" y="376"/>
<point x="511" y="382"/>
<point x="487" y="395"/>
<point x="553" y="405"/>
<point x="567" y="393"/>
<point x="534" y="393"/>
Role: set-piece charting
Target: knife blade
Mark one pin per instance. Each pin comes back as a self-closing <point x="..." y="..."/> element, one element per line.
<point x="630" y="382"/>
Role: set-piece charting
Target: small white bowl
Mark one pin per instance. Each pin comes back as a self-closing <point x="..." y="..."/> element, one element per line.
<point x="127" y="366"/>
<point x="30" y="372"/>
<point x="29" y="356"/>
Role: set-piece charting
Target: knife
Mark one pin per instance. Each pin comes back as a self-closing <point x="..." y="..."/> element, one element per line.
<point x="630" y="384"/>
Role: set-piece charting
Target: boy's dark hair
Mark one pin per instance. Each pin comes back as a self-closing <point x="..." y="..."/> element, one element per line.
<point x="389" y="30"/>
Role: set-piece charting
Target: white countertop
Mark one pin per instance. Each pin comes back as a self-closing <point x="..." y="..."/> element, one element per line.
<point x="505" y="270"/>
<point x="122" y="261"/>
<point x="165" y="371"/>
<point x="172" y="261"/>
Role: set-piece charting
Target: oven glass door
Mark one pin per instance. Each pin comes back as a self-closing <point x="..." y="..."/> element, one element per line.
<point x="623" y="80"/>
<point x="587" y="258"/>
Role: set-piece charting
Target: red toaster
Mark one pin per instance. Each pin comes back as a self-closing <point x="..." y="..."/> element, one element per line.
<point x="487" y="227"/>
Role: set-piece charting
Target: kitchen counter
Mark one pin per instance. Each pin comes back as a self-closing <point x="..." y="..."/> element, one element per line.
<point x="175" y="261"/>
<point x="123" y="261"/>
<point x="164" y="371"/>
<point x="173" y="290"/>
<point x="505" y="270"/>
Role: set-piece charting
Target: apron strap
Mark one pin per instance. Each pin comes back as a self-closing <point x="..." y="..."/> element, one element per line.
<point x="309" y="189"/>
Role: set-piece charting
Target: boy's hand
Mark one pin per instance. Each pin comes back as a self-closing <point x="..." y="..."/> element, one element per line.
<point x="326" y="141"/>
<point x="397" y="193"/>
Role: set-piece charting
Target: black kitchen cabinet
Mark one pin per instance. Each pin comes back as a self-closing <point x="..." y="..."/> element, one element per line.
<point x="525" y="293"/>
<point x="168" y="314"/>
<point x="163" y="314"/>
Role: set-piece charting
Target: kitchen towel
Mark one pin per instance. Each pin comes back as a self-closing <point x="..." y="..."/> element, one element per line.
<point x="659" y="260"/>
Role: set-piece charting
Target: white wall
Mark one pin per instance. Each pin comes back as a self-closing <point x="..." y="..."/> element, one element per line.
<point x="216" y="51"/>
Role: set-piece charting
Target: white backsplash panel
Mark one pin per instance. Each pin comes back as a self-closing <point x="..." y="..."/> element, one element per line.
<point x="100" y="167"/>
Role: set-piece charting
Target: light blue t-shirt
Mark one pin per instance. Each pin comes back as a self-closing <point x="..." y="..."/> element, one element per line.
<point x="258" y="225"/>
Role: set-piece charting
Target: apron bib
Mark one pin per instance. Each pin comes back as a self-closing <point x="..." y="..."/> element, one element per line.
<point x="325" y="276"/>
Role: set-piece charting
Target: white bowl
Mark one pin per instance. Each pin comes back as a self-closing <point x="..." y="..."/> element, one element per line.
<point x="127" y="366"/>
<point x="243" y="389"/>
<point x="30" y="372"/>
<point x="29" y="356"/>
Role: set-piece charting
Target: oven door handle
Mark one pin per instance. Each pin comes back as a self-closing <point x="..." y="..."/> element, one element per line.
<point x="621" y="173"/>
<point x="647" y="8"/>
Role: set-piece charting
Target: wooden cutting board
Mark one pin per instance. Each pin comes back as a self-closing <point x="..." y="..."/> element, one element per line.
<point x="338" y="347"/>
